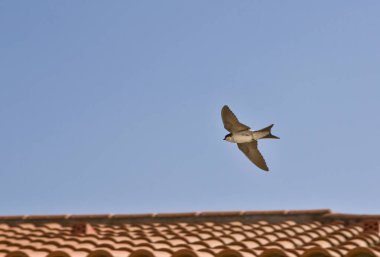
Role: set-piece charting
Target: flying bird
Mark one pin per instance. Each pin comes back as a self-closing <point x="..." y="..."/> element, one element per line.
<point x="245" y="138"/>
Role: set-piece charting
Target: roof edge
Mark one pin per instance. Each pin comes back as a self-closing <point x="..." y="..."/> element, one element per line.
<point x="174" y="215"/>
<point x="275" y="216"/>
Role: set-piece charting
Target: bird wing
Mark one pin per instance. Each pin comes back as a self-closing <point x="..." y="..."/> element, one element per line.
<point x="231" y="123"/>
<point x="250" y="150"/>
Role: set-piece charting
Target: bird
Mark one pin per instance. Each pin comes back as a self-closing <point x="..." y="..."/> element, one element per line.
<point x="246" y="139"/>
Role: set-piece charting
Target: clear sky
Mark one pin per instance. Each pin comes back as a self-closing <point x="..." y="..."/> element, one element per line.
<point x="114" y="106"/>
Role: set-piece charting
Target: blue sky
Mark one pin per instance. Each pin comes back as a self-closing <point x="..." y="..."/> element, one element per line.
<point x="114" y="106"/>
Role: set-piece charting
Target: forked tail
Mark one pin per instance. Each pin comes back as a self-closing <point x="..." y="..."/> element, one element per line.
<point x="268" y="129"/>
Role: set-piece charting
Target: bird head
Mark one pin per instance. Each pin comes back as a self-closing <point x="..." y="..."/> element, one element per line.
<point x="228" y="137"/>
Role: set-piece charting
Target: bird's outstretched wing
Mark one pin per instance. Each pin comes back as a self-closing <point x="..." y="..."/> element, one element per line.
<point x="250" y="150"/>
<point x="231" y="123"/>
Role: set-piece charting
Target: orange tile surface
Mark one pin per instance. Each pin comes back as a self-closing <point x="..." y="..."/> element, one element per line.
<point x="311" y="233"/>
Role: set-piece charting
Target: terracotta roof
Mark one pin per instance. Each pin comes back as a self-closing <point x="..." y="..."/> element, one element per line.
<point x="312" y="233"/>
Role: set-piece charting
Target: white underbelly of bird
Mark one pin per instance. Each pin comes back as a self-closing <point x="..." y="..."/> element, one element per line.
<point x="248" y="136"/>
<point x="241" y="138"/>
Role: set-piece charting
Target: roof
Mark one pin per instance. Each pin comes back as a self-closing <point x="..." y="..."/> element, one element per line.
<point x="314" y="233"/>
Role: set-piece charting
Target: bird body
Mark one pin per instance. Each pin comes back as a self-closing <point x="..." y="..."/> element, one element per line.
<point x="245" y="138"/>
<point x="240" y="137"/>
